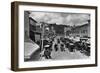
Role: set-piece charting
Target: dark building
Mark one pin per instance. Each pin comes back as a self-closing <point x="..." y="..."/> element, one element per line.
<point x="59" y="29"/>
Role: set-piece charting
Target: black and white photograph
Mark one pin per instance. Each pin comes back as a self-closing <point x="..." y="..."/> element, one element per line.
<point x="56" y="36"/>
<point x="53" y="36"/>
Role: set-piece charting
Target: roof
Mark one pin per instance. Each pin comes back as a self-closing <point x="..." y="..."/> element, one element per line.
<point x="33" y="19"/>
<point x="80" y="26"/>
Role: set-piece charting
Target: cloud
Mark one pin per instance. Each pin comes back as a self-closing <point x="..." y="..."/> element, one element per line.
<point x="77" y="19"/>
<point x="61" y="18"/>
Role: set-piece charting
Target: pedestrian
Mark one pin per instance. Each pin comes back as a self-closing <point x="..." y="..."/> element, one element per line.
<point x="56" y="47"/>
<point x="62" y="47"/>
<point x="84" y="47"/>
<point x="47" y="52"/>
<point x="71" y="47"/>
<point x="58" y="41"/>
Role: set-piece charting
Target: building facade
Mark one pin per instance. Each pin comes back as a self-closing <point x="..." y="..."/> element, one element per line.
<point x="34" y="30"/>
<point x="80" y="31"/>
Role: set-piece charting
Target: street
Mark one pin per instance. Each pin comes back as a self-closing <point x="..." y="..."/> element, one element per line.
<point x="56" y="55"/>
<point x="65" y="55"/>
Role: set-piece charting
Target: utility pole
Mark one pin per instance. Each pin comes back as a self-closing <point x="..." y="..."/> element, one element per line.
<point x="42" y="36"/>
<point x="65" y="31"/>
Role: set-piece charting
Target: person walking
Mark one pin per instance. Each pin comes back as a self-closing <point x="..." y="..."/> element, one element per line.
<point x="62" y="47"/>
<point x="56" y="47"/>
<point x="47" y="52"/>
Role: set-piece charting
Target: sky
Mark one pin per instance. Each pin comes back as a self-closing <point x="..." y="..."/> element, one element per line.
<point x="60" y="18"/>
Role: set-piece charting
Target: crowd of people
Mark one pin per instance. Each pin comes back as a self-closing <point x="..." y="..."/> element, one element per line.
<point x="56" y="44"/>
